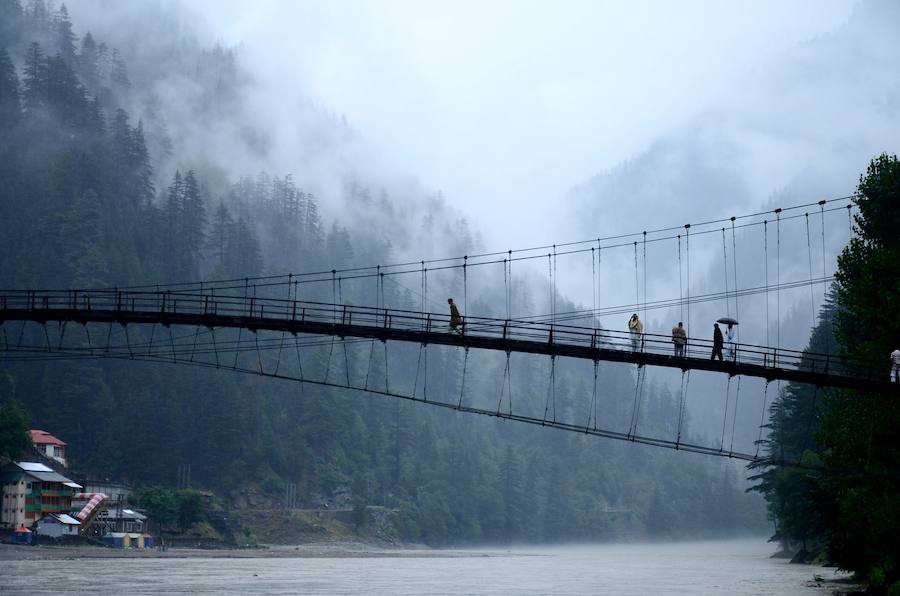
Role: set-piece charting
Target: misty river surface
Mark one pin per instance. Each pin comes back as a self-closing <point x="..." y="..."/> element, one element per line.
<point x="735" y="567"/>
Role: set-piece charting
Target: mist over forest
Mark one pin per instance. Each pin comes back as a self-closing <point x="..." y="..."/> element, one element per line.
<point x="138" y="148"/>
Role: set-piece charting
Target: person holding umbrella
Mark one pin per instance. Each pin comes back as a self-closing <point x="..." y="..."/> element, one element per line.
<point x="729" y="335"/>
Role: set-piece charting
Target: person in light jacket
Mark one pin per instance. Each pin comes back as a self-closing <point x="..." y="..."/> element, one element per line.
<point x="636" y="327"/>
<point x="729" y="335"/>
<point x="895" y="366"/>
<point x="679" y="338"/>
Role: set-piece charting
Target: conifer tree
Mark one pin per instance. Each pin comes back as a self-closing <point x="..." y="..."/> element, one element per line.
<point x="39" y="14"/>
<point x="221" y="230"/>
<point x="11" y="26"/>
<point x="139" y="158"/>
<point x="118" y="75"/>
<point x="245" y="257"/>
<point x="35" y="77"/>
<point x="85" y="251"/>
<point x="9" y="92"/>
<point x="193" y="220"/>
<point x="88" y="62"/>
<point x="65" y="39"/>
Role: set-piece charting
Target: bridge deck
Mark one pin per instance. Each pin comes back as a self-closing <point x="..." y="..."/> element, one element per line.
<point x="292" y="316"/>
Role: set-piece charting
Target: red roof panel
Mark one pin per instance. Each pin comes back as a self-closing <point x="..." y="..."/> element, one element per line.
<point x="42" y="437"/>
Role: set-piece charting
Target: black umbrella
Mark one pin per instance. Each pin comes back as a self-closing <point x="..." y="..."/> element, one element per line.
<point x="727" y="321"/>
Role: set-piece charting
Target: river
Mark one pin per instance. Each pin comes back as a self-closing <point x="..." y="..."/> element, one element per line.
<point x="733" y="567"/>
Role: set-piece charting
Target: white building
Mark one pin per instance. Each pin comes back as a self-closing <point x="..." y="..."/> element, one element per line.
<point x="58" y="524"/>
<point x="29" y="491"/>
<point x="49" y="445"/>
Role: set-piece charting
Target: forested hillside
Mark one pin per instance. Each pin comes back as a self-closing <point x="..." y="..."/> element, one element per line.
<point x="102" y="184"/>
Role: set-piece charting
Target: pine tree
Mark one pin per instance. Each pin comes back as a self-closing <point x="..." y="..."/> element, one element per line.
<point x="245" y="257"/>
<point x="118" y="75"/>
<point x="9" y="92"/>
<point x="35" y="77"/>
<point x="88" y="62"/>
<point x="338" y="247"/>
<point x="174" y="242"/>
<point x="85" y="251"/>
<point x="39" y="14"/>
<point x="64" y="94"/>
<point x="142" y="170"/>
<point x="193" y="222"/>
<point x="65" y="39"/>
<point x="11" y="14"/>
<point x="512" y="495"/>
<point x="220" y="234"/>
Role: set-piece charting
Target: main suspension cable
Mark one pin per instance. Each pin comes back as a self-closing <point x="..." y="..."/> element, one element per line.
<point x="812" y="302"/>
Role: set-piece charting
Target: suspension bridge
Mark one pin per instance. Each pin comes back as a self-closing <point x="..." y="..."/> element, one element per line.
<point x="274" y="304"/>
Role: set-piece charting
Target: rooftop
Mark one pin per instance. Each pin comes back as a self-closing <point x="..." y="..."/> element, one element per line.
<point x="42" y="437"/>
<point x="42" y="473"/>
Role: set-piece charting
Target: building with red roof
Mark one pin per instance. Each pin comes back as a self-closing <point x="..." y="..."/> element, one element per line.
<point x="48" y="445"/>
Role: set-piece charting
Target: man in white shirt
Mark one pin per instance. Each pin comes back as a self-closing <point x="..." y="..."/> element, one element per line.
<point x="895" y="366"/>
<point x="729" y="335"/>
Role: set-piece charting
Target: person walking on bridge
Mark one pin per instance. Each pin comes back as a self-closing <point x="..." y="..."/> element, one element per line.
<point x="636" y="327"/>
<point x="718" y="341"/>
<point x="679" y="338"/>
<point x="895" y="366"/>
<point x="729" y="334"/>
<point x="456" y="320"/>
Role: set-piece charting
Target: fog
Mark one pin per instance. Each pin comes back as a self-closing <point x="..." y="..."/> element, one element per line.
<point x="504" y="106"/>
<point x="539" y="124"/>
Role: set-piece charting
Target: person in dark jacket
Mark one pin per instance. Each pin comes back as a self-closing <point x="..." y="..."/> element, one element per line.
<point x="718" y="341"/>
<point x="456" y="320"/>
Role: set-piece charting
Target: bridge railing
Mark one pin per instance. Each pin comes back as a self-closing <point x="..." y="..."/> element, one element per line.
<point x="254" y="310"/>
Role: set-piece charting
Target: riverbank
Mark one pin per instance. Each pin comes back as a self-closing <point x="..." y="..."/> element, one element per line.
<point x="15" y="552"/>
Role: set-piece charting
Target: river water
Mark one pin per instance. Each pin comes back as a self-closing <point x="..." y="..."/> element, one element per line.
<point x="734" y="567"/>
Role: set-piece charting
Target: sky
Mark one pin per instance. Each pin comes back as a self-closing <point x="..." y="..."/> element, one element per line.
<point x="504" y="106"/>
